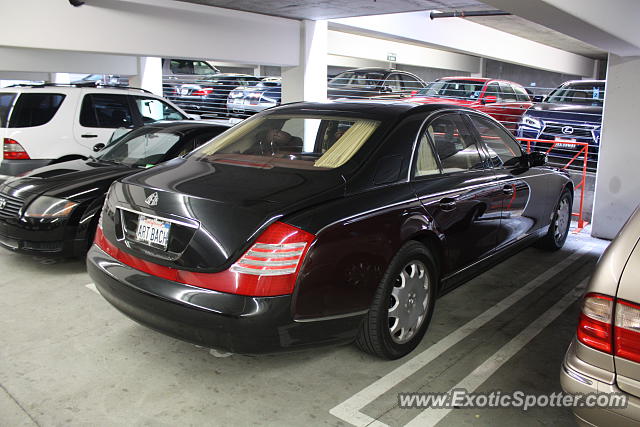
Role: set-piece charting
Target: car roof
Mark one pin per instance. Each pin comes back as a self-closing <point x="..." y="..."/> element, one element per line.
<point x="570" y="82"/>
<point x="186" y="125"/>
<point x="53" y="88"/>
<point x="382" y="110"/>
<point x="479" y="79"/>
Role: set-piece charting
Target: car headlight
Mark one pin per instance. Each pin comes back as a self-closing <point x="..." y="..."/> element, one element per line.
<point x="49" y="207"/>
<point x="531" y="121"/>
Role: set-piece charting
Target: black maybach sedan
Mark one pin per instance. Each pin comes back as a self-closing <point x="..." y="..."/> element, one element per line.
<point x="54" y="210"/>
<point x="323" y="223"/>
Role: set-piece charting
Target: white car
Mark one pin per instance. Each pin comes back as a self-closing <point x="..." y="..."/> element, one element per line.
<point x="46" y="124"/>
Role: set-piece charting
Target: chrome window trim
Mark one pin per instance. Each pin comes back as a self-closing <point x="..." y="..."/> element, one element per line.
<point x="173" y="221"/>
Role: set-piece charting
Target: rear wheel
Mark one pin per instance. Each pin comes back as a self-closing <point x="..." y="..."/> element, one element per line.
<point x="560" y="222"/>
<point x="402" y="306"/>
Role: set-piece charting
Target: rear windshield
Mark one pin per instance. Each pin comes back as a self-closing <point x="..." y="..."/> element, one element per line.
<point x="459" y="89"/>
<point x="300" y="142"/>
<point x="34" y="109"/>
<point x="579" y="93"/>
<point x="6" y="101"/>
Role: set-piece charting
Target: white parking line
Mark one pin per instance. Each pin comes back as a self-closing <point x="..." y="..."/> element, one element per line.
<point x="92" y="287"/>
<point x="349" y="410"/>
<point x="430" y="417"/>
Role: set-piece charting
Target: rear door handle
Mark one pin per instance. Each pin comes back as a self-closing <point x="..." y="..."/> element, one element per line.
<point x="508" y="190"/>
<point x="88" y="135"/>
<point x="447" y="204"/>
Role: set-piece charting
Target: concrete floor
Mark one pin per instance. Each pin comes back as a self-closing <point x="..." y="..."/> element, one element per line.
<point x="68" y="358"/>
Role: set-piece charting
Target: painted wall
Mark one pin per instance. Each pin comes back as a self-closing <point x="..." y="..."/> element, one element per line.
<point x="160" y="28"/>
<point x="617" y="185"/>
<point x="377" y="49"/>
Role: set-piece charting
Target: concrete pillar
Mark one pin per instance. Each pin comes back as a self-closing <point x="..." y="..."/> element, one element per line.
<point x="149" y="75"/>
<point x="258" y="71"/>
<point x="482" y="69"/>
<point x="60" y="78"/>
<point x="308" y="81"/>
<point x="617" y="191"/>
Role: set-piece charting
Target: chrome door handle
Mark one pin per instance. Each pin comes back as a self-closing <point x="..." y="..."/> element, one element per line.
<point x="86" y="135"/>
<point x="508" y="190"/>
<point x="447" y="204"/>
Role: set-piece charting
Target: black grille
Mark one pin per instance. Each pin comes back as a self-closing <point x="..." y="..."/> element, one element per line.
<point x="578" y="131"/>
<point x="11" y="208"/>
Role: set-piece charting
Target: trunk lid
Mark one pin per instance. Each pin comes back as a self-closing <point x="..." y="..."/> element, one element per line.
<point x="215" y="210"/>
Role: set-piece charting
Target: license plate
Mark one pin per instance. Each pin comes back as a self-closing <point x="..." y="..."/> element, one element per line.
<point x="153" y="232"/>
<point x="184" y="92"/>
<point x="560" y="144"/>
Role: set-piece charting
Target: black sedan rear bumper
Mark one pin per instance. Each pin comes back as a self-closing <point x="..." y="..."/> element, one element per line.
<point x="234" y="323"/>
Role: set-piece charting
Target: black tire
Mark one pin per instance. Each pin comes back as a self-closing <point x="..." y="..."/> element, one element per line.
<point x="375" y="335"/>
<point x="555" y="238"/>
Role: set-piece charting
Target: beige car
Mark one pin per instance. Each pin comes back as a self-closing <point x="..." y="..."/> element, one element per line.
<point x="604" y="356"/>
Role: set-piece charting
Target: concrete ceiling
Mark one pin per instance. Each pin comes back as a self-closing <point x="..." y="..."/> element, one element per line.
<point x="530" y="30"/>
<point x="332" y="9"/>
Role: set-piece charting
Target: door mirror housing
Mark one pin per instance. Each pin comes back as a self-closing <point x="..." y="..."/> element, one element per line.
<point x="99" y="146"/>
<point x="535" y="158"/>
<point x="538" y="98"/>
<point x="491" y="99"/>
<point x="386" y="89"/>
<point x="194" y="116"/>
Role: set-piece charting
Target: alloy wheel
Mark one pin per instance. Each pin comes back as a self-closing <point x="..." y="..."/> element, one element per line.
<point x="408" y="301"/>
<point x="562" y="220"/>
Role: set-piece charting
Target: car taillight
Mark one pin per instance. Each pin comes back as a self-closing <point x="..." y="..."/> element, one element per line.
<point x="627" y="331"/>
<point x="12" y="150"/>
<point x="202" y="92"/>
<point x="269" y="268"/>
<point x="594" y="327"/>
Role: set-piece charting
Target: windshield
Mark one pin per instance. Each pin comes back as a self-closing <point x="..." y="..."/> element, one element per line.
<point x="301" y="142"/>
<point x="357" y="78"/>
<point x="143" y="147"/>
<point x="579" y="93"/>
<point x="460" y="89"/>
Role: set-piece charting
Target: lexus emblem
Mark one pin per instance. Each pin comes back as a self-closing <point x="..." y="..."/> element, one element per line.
<point x="567" y="130"/>
<point x="3" y="203"/>
<point x="152" y="200"/>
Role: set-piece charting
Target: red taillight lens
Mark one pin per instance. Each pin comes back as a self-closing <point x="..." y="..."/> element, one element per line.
<point x="627" y="331"/>
<point x="12" y="150"/>
<point x="269" y="268"/>
<point x="202" y="92"/>
<point x="594" y="327"/>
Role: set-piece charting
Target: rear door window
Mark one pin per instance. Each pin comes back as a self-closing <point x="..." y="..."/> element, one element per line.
<point x="6" y="101"/>
<point x="105" y="111"/>
<point x="508" y="94"/>
<point x="34" y="109"/>
<point x="454" y="144"/>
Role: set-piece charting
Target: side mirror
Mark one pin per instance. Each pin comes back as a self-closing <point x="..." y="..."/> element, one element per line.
<point x="194" y="116"/>
<point x="99" y="146"/>
<point x="491" y="99"/>
<point x="536" y="158"/>
<point x="538" y="98"/>
<point x="386" y="89"/>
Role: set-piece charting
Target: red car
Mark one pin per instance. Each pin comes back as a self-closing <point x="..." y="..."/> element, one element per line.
<point x="504" y="100"/>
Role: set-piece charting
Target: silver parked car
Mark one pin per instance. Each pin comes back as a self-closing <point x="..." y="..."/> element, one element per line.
<point x="604" y="356"/>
